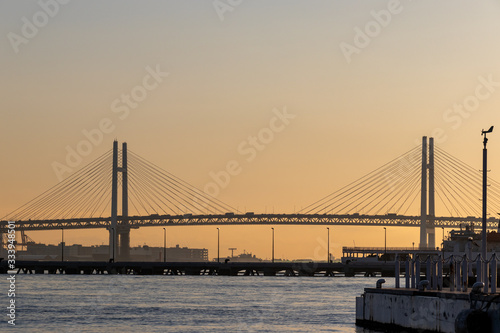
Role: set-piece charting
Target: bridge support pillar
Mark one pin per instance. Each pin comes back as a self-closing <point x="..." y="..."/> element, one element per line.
<point x="427" y="203"/>
<point x="423" y="196"/>
<point x="113" y="232"/>
<point x="124" y="229"/>
<point x="119" y="234"/>
<point x="112" y="242"/>
<point x="430" y="228"/>
<point x="124" y="233"/>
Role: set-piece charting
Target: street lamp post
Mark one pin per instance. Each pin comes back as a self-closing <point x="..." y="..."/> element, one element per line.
<point x="218" y="244"/>
<point x="272" y="245"/>
<point x="485" y="183"/>
<point x="62" y="244"/>
<point x="164" y="245"/>
<point x="328" y="245"/>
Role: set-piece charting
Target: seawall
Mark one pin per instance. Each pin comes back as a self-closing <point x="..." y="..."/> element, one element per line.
<point x="411" y="310"/>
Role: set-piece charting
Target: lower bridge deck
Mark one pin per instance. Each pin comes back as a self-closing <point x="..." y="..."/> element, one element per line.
<point x="200" y="268"/>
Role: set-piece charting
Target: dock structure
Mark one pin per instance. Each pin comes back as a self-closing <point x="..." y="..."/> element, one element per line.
<point x="432" y="299"/>
<point x="201" y="268"/>
<point x="386" y="254"/>
<point x="413" y="310"/>
<point x="427" y="303"/>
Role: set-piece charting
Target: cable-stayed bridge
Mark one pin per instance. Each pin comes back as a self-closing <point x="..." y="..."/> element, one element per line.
<point x="406" y="191"/>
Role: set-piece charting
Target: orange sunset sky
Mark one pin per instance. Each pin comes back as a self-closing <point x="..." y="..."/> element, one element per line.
<point x="361" y="81"/>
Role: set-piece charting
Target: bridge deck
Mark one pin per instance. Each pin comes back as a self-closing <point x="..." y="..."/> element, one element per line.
<point x="200" y="268"/>
<point x="249" y="219"/>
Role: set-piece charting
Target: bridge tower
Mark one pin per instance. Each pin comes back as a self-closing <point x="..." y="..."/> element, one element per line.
<point x="423" y="196"/>
<point x="430" y="228"/>
<point x="119" y="234"/>
<point x="427" y="212"/>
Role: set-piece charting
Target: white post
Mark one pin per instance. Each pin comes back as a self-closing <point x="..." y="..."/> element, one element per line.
<point x="486" y="275"/>
<point x="417" y="270"/>
<point x="396" y="273"/>
<point x="407" y="273"/>
<point x="458" y="281"/>
<point x="493" y="264"/>
<point x="452" y="273"/>
<point x="412" y="273"/>
<point x="428" y="274"/>
<point x="479" y="266"/>
<point x="434" y="276"/>
<point x="440" y="273"/>
<point x="465" y="277"/>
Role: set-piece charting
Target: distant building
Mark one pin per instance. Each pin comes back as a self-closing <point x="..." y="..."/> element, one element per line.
<point x="176" y="254"/>
<point x="243" y="257"/>
<point x="78" y="252"/>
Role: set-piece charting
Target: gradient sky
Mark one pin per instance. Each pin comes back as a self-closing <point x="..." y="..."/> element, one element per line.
<point x="225" y="78"/>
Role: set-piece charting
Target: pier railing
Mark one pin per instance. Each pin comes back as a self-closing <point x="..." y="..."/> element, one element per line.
<point x="392" y="249"/>
<point x="460" y="273"/>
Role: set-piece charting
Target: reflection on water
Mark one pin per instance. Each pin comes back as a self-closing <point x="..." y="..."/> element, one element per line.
<point x="101" y="303"/>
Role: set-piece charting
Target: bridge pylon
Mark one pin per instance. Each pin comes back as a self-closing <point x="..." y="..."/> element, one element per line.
<point x="430" y="227"/>
<point x="119" y="234"/>
<point x="427" y="203"/>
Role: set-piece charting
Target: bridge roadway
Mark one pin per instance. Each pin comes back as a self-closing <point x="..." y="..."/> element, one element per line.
<point x="201" y="268"/>
<point x="247" y="219"/>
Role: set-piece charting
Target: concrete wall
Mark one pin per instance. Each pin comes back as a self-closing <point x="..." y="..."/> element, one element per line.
<point x="411" y="309"/>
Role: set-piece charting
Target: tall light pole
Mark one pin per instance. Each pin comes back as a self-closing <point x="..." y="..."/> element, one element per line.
<point x="485" y="184"/>
<point x="272" y="260"/>
<point x="164" y="245"/>
<point x="328" y="245"/>
<point x="385" y="244"/>
<point x="62" y="244"/>
<point x="218" y="244"/>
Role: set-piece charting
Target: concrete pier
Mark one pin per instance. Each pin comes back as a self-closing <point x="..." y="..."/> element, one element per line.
<point x="201" y="268"/>
<point x="435" y="299"/>
<point x="411" y="310"/>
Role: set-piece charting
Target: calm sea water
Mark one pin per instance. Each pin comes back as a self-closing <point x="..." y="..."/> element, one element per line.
<point x="115" y="303"/>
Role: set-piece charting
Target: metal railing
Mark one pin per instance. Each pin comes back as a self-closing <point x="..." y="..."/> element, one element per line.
<point x="460" y="269"/>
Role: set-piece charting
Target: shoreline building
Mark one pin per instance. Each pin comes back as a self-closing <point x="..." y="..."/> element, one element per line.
<point x="78" y="252"/>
